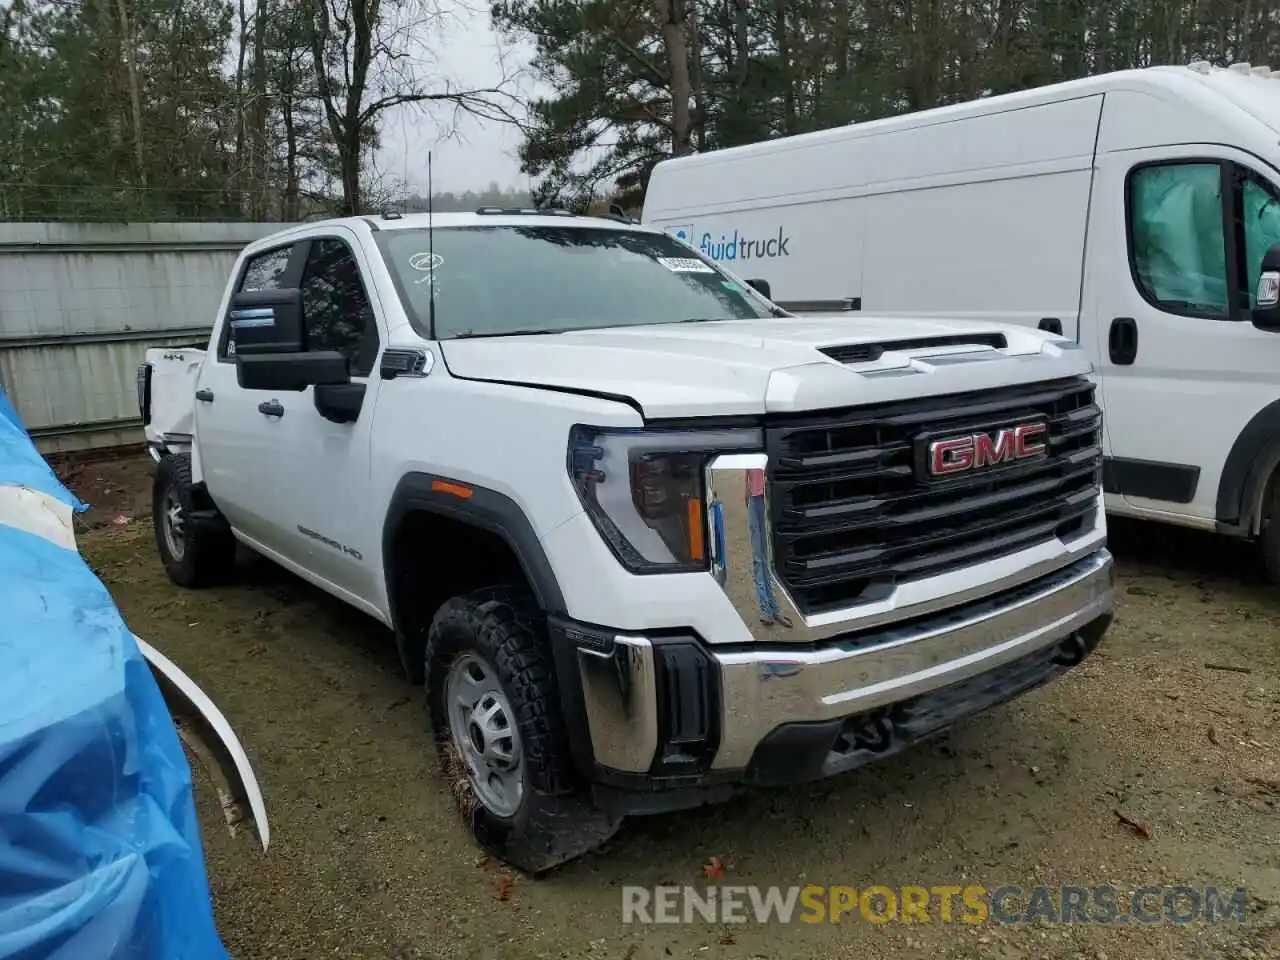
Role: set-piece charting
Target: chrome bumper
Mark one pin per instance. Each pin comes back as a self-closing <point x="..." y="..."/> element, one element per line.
<point x="767" y="687"/>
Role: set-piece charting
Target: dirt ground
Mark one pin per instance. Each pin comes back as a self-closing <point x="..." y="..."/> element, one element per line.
<point x="368" y="858"/>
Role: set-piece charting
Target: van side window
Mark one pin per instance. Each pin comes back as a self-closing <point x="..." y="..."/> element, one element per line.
<point x="1261" y="222"/>
<point x="335" y="309"/>
<point x="1177" y="238"/>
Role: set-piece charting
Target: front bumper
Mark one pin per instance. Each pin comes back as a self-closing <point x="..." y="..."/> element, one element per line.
<point x="671" y="721"/>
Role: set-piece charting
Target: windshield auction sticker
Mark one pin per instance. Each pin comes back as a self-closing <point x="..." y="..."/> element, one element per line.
<point x="684" y="265"/>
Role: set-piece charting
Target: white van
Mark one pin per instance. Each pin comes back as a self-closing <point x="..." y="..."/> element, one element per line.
<point x="1130" y="212"/>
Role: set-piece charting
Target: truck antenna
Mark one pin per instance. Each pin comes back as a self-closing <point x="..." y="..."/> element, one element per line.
<point x="431" y="254"/>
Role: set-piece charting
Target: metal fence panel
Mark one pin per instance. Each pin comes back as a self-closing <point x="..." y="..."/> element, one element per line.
<point x="81" y="303"/>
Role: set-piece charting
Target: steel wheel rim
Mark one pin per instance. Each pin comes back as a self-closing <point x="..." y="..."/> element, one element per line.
<point x="482" y="725"/>
<point x="174" y="525"/>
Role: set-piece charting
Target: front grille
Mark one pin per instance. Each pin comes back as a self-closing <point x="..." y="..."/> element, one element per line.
<point x="853" y="515"/>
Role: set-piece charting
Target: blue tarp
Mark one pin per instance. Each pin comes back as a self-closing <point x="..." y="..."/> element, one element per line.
<point x="100" y="852"/>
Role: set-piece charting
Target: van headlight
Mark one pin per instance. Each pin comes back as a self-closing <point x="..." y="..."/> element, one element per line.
<point x="645" y="490"/>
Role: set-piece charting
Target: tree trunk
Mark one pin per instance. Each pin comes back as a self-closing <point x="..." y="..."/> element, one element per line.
<point x="135" y="88"/>
<point x="782" y="38"/>
<point x="671" y="15"/>
<point x="696" y="81"/>
<point x="349" y="162"/>
<point x="243" y="47"/>
<point x="258" y="197"/>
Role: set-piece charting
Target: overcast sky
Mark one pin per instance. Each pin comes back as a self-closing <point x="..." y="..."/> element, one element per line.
<point x="478" y="152"/>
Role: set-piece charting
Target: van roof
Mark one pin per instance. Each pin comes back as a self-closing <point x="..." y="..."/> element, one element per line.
<point x="1254" y="90"/>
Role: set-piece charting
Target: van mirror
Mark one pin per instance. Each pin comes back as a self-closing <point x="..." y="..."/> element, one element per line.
<point x="1266" y="309"/>
<point x="265" y="321"/>
<point x="761" y="287"/>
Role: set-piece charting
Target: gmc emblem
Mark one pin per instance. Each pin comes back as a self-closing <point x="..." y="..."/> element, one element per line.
<point x="977" y="451"/>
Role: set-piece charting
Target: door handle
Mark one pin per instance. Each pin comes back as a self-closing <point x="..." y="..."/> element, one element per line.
<point x="1051" y="325"/>
<point x="271" y="408"/>
<point x="204" y="395"/>
<point x="1122" y="341"/>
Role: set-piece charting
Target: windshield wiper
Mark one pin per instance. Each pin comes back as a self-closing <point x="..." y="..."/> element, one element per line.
<point x="531" y="332"/>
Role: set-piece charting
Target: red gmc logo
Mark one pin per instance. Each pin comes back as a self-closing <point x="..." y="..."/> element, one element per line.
<point x="976" y="451"/>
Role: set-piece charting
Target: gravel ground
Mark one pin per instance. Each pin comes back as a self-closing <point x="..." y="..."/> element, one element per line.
<point x="368" y="858"/>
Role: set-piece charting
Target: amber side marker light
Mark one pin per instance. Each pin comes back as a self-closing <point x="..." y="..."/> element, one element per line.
<point x="697" y="548"/>
<point x="457" y="489"/>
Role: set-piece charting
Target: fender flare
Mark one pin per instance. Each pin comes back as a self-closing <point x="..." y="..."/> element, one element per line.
<point x="481" y="507"/>
<point x="1248" y="467"/>
<point x="206" y="731"/>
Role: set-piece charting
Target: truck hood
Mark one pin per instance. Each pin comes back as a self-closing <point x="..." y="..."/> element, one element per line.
<point x="751" y="367"/>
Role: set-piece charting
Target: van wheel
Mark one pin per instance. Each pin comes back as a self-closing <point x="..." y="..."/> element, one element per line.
<point x="196" y="551"/>
<point x="495" y="712"/>
<point x="1270" y="541"/>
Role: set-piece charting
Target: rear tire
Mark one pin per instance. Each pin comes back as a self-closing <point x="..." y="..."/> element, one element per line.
<point x="195" y="552"/>
<point x="1270" y="539"/>
<point x="495" y="711"/>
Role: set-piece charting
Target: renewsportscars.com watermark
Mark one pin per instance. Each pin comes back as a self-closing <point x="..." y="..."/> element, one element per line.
<point x="971" y="904"/>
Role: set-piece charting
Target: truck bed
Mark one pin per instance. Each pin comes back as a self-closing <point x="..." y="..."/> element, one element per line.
<point x="166" y="396"/>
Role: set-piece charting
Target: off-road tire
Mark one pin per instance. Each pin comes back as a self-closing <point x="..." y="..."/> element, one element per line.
<point x="209" y="553"/>
<point x="555" y="822"/>
<point x="1269" y="542"/>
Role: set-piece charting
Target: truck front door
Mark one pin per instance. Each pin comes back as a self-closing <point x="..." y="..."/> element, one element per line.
<point x="319" y="475"/>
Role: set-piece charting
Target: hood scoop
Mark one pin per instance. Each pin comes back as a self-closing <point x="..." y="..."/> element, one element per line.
<point x="869" y="352"/>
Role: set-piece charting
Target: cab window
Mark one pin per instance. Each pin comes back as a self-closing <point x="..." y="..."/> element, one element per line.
<point x="1260" y="222"/>
<point x="1177" y="238"/>
<point x="264" y="271"/>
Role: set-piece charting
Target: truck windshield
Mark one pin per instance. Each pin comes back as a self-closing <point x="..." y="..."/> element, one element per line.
<point x="506" y="280"/>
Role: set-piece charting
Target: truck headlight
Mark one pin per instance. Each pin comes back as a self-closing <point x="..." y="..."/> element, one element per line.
<point x="645" y="490"/>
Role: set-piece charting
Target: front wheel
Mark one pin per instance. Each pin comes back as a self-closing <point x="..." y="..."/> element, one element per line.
<point x="495" y="710"/>
<point x="196" y="550"/>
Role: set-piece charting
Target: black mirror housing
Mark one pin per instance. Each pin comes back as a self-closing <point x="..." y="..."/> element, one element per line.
<point x="1266" y="310"/>
<point x="761" y="287"/>
<point x="292" y="371"/>
<point x="266" y="322"/>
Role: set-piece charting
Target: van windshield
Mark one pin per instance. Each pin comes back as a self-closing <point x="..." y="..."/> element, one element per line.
<point x="506" y="280"/>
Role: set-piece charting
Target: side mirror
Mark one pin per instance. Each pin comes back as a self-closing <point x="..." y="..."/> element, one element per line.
<point x="266" y="321"/>
<point x="761" y="287"/>
<point x="1266" y="310"/>
<point x="292" y="371"/>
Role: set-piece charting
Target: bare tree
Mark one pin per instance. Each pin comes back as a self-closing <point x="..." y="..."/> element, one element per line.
<point x="368" y="58"/>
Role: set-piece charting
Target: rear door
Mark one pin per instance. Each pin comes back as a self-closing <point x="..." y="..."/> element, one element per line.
<point x="234" y="443"/>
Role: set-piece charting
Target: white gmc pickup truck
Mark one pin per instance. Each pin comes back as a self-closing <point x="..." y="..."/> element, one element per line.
<point x="646" y="538"/>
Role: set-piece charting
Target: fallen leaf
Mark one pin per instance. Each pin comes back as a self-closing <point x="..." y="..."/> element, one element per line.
<point x="1138" y="828"/>
<point x="631" y="952"/>
<point x="1213" y="736"/>
<point x="713" y="868"/>
<point x="502" y="887"/>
